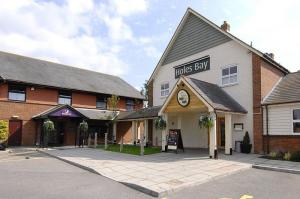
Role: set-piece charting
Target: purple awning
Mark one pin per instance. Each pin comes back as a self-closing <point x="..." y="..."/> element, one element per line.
<point x="65" y="112"/>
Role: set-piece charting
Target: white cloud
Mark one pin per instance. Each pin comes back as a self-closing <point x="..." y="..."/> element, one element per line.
<point x="64" y="33"/>
<point x="129" y="7"/>
<point x="274" y="27"/>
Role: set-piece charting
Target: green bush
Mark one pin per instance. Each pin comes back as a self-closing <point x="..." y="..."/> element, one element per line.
<point x="273" y="154"/>
<point x="295" y="156"/>
<point x="3" y="131"/>
<point x="287" y="156"/>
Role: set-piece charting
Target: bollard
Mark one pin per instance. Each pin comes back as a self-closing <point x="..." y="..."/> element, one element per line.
<point x="105" y="141"/>
<point x="89" y="140"/>
<point x="142" y="144"/>
<point x="121" y="145"/>
<point x="95" y="140"/>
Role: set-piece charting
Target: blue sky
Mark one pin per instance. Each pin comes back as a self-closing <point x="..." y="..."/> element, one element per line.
<point x="127" y="37"/>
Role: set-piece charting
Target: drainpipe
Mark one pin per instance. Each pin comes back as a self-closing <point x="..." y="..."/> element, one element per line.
<point x="216" y="150"/>
<point x="267" y="128"/>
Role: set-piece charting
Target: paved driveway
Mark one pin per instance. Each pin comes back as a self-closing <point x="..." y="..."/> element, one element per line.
<point x="156" y="174"/>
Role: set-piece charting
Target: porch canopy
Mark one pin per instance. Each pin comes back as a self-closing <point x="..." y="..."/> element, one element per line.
<point x="201" y="97"/>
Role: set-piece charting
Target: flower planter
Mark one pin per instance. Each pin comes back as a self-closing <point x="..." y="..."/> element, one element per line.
<point x="246" y="148"/>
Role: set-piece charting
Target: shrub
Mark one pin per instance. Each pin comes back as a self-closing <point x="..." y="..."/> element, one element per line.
<point x="280" y="155"/>
<point x="3" y="131"/>
<point x="295" y="156"/>
<point x="246" y="140"/>
<point x="273" y="154"/>
<point x="287" y="156"/>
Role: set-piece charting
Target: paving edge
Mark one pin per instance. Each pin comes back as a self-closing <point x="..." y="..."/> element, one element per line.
<point x="278" y="169"/>
<point x="131" y="185"/>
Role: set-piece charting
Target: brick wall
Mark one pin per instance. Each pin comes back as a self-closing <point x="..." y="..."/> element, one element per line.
<point x="264" y="78"/>
<point x="150" y="93"/>
<point x="42" y="96"/>
<point x="84" y="100"/>
<point x="282" y="143"/>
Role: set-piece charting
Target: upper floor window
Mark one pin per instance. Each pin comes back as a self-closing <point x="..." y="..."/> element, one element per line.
<point x="164" y="89"/>
<point x="16" y="92"/>
<point x="65" y="97"/>
<point x="229" y="75"/>
<point x="129" y="104"/>
<point x="296" y="120"/>
<point x="101" y="102"/>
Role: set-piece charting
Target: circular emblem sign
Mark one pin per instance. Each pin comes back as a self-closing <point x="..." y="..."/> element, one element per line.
<point x="183" y="98"/>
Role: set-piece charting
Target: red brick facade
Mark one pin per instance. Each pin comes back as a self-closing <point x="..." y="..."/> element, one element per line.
<point x="264" y="78"/>
<point x="41" y="99"/>
<point x="282" y="143"/>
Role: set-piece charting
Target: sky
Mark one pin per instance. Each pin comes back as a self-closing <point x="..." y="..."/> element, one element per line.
<point x="127" y="37"/>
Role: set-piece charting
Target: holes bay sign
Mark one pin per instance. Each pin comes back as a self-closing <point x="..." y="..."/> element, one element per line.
<point x="193" y="67"/>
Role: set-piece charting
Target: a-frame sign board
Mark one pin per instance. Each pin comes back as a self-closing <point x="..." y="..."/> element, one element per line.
<point x="174" y="141"/>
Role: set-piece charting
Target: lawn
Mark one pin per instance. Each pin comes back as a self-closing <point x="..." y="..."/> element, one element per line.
<point x="131" y="149"/>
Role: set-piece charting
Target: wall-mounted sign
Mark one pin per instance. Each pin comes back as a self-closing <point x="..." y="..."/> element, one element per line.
<point x="65" y="112"/>
<point x="183" y="98"/>
<point x="193" y="67"/>
<point x="238" y="126"/>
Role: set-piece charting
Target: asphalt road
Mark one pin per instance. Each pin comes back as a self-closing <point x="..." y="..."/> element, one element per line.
<point x="44" y="177"/>
<point x="248" y="184"/>
<point x="40" y="176"/>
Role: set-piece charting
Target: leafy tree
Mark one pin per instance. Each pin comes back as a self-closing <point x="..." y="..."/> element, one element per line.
<point x="3" y="131"/>
<point x="144" y="90"/>
<point x="113" y="102"/>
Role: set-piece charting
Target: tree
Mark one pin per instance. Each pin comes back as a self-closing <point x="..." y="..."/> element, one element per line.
<point x="144" y="90"/>
<point x="3" y="133"/>
<point x="48" y="128"/>
<point x="113" y="102"/>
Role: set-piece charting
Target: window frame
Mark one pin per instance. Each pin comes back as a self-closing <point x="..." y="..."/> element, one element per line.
<point x="164" y="90"/>
<point x="129" y="104"/>
<point x="295" y="120"/>
<point x="105" y="101"/>
<point x="229" y="75"/>
<point x="9" y="90"/>
<point x="60" y="94"/>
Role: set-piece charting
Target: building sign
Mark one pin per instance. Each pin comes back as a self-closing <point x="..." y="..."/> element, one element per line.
<point x="183" y="98"/>
<point x="65" y="112"/>
<point x="193" y="67"/>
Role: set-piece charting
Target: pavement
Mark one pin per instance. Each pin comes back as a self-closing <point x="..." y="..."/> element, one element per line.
<point x="157" y="174"/>
<point x="247" y="184"/>
<point x="26" y="173"/>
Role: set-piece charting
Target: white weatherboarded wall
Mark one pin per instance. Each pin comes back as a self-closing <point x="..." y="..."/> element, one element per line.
<point x="280" y="120"/>
<point x="229" y="53"/>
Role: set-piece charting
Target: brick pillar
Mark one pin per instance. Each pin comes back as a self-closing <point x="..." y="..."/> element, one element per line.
<point x="257" y="112"/>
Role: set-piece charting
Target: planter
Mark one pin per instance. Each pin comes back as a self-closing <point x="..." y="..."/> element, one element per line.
<point x="246" y="148"/>
<point x="2" y="147"/>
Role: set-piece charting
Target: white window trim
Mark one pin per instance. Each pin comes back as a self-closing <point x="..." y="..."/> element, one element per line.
<point x="160" y="90"/>
<point x="292" y="113"/>
<point x="237" y="75"/>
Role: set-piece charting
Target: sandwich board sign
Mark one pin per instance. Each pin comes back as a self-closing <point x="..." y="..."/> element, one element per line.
<point x="174" y="141"/>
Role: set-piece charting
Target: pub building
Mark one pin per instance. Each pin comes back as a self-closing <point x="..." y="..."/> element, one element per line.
<point x="33" y="90"/>
<point x="205" y="70"/>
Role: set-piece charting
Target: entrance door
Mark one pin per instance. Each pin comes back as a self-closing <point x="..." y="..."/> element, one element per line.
<point x="221" y="132"/>
<point x="15" y="133"/>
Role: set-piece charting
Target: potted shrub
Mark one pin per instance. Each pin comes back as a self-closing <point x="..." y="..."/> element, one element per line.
<point x="3" y="134"/>
<point x="48" y="127"/>
<point x="83" y="129"/>
<point x="245" y="145"/>
<point x="206" y="122"/>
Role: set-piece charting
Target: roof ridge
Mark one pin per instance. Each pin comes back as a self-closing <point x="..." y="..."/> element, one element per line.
<point x="58" y="64"/>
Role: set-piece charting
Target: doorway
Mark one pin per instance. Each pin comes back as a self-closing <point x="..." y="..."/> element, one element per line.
<point x="221" y="132"/>
<point x="15" y="133"/>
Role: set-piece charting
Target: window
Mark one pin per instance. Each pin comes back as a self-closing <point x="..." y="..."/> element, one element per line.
<point x="164" y="89"/>
<point x="101" y="102"/>
<point x="229" y="75"/>
<point x="296" y="120"/>
<point x="65" y="97"/>
<point x="16" y="93"/>
<point x="129" y="105"/>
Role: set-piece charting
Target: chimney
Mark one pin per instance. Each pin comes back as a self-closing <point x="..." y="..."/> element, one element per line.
<point x="225" y="26"/>
<point x="271" y="55"/>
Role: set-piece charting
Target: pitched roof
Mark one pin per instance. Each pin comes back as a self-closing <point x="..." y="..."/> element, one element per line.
<point x="149" y="112"/>
<point x="286" y="91"/>
<point x="34" y="71"/>
<point x="179" y="28"/>
<point x="215" y="96"/>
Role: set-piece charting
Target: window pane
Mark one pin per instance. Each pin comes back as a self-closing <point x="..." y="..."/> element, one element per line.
<point x="233" y="70"/>
<point x="16" y="96"/>
<point x="166" y="86"/>
<point x="62" y="100"/>
<point x="225" y="80"/>
<point x="162" y="87"/>
<point x="225" y="71"/>
<point x="296" y="127"/>
<point x="296" y="114"/>
<point x="233" y="79"/>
